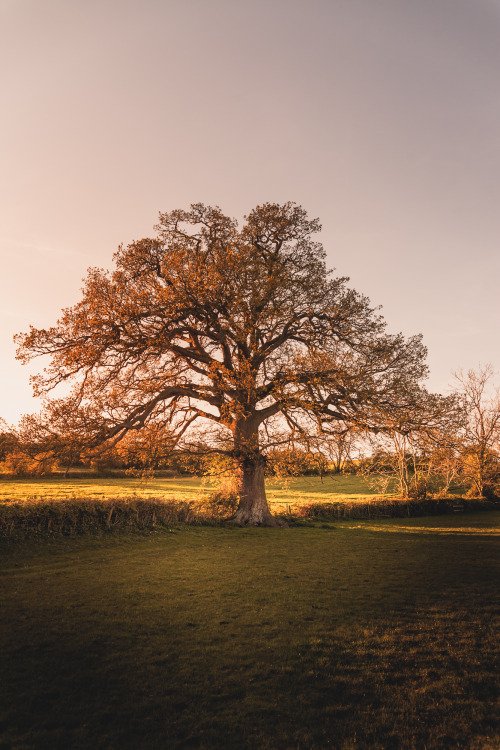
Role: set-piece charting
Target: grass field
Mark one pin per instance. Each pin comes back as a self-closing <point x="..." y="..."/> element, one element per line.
<point x="296" y="492"/>
<point x="352" y="635"/>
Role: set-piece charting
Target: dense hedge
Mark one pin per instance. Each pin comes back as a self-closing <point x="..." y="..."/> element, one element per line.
<point x="395" y="508"/>
<point x="77" y="516"/>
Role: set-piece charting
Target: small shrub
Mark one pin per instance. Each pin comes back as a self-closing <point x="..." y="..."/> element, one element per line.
<point x="418" y="490"/>
<point x="491" y="490"/>
<point x="221" y="504"/>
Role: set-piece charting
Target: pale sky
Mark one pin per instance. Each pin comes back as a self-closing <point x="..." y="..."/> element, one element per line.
<point x="382" y="117"/>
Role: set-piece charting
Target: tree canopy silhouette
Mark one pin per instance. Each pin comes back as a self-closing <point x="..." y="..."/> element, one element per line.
<point x="235" y="338"/>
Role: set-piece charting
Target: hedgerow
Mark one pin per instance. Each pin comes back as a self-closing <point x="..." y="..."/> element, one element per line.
<point x="73" y="516"/>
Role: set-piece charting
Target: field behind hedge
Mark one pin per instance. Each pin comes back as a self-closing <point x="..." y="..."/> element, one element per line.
<point x="294" y="492"/>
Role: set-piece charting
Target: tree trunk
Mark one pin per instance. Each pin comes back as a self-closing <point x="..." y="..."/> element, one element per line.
<point x="253" y="509"/>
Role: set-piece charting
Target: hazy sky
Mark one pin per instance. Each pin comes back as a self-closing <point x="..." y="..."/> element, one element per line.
<point x="382" y="117"/>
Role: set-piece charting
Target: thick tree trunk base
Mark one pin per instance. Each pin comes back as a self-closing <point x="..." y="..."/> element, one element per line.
<point x="253" y="509"/>
<point x="255" y="517"/>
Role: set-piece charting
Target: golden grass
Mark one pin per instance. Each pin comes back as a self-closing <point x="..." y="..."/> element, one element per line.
<point x="397" y="529"/>
<point x="282" y="496"/>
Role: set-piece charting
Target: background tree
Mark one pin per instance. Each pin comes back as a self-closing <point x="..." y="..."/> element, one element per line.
<point x="146" y="450"/>
<point x="295" y="461"/>
<point x="244" y="330"/>
<point x="63" y="433"/>
<point x="405" y="455"/>
<point x="480" y="438"/>
<point x="339" y="444"/>
<point x="8" y="439"/>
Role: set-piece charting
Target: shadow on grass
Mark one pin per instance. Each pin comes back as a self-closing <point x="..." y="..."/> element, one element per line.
<point x="306" y="638"/>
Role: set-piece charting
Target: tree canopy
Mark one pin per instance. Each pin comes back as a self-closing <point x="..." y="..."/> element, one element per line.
<point x="236" y="338"/>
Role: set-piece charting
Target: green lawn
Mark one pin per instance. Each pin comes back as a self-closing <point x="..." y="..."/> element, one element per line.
<point x="353" y="635"/>
<point x="296" y="492"/>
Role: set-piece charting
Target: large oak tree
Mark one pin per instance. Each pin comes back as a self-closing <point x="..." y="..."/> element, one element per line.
<point x="234" y="337"/>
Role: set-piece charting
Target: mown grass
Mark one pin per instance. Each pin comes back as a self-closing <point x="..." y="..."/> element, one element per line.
<point x="345" y="635"/>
